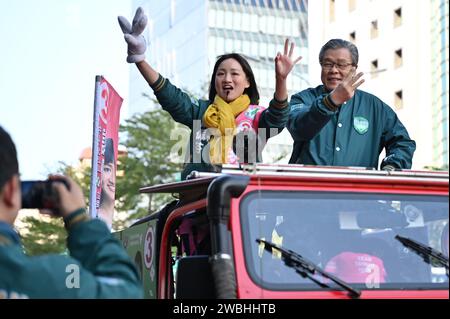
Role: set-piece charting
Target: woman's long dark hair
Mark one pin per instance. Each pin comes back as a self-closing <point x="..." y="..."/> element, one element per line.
<point x="109" y="151"/>
<point x="251" y="91"/>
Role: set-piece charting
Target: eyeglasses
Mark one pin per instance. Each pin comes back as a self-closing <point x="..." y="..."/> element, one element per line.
<point x="327" y="66"/>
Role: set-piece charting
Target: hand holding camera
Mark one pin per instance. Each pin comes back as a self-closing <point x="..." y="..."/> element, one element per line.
<point x="58" y="194"/>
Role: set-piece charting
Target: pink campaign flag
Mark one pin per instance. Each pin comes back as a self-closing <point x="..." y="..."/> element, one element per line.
<point x="105" y="140"/>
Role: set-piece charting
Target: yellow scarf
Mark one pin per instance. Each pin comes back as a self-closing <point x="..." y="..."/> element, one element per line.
<point x="222" y="115"/>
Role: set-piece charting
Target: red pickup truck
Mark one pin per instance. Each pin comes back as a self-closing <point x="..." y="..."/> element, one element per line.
<point x="265" y="231"/>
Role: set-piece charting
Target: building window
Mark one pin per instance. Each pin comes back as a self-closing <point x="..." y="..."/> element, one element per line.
<point x="352" y="36"/>
<point x="271" y="24"/>
<point x="245" y="22"/>
<point x="287" y="27"/>
<point x="374" y="68"/>
<point x="398" y="58"/>
<point x="228" y="20"/>
<point x="279" y="26"/>
<point x="255" y="49"/>
<point x="351" y="5"/>
<point x="263" y="50"/>
<point x="229" y="45"/>
<point x="220" y="17"/>
<point x="296" y="26"/>
<point x="220" y="44"/>
<point x="263" y="24"/>
<point x="332" y="10"/>
<point x="247" y="47"/>
<point x="212" y="18"/>
<point x="272" y="48"/>
<point x="264" y="78"/>
<point x="398" y="100"/>
<point x="237" y="20"/>
<point x="238" y="45"/>
<point x="297" y="82"/>
<point x="397" y="17"/>
<point x="254" y="23"/>
<point x="374" y="29"/>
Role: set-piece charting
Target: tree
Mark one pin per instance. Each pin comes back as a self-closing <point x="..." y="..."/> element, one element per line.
<point x="149" y="161"/>
<point x="146" y="137"/>
<point x="43" y="236"/>
<point x="444" y="167"/>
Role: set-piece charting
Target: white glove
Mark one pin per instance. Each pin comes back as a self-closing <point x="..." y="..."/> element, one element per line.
<point x="133" y="37"/>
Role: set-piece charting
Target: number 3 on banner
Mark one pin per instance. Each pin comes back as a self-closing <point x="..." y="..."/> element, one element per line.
<point x="148" y="247"/>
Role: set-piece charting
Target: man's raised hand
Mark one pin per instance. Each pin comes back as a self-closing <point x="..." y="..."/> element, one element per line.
<point x="346" y="89"/>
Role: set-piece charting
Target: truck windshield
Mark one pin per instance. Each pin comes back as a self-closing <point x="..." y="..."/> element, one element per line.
<point x="351" y="236"/>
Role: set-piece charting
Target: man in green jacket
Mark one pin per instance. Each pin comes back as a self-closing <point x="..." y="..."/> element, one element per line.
<point x="335" y="124"/>
<point x="98" y="266"/>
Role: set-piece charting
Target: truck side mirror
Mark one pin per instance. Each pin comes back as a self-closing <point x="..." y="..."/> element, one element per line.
<point x="194" y="278"/>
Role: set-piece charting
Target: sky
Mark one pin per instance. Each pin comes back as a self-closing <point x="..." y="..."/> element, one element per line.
<point x="50" y="53"/>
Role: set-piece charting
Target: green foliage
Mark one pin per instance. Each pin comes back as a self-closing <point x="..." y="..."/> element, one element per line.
<point x="436" y="168"/>
<point x="147" y="139"/>
<point x="47" y="235"/>
<point x="44" y="236"/>
<point x="82" y="176"/>
<point x="282" y="155"/>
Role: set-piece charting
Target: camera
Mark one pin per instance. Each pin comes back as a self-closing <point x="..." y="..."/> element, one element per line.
<point x="41" y="195"/>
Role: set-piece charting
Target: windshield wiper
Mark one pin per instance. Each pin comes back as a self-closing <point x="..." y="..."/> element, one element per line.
<point x="307" y="268"/>
<point x="424" y="251"/>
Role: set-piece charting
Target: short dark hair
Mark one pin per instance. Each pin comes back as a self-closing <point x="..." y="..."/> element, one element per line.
<point x="9" y="165"/>
<point x="109" y="151"/>
<point x="334" y="44"/>
<point x="251" y="91"/>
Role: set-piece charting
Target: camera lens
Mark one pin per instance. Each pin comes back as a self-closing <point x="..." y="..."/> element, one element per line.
<point x="32" y="193"/>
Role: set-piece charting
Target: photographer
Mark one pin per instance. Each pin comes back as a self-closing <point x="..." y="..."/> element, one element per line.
<point x="98" y="266"/>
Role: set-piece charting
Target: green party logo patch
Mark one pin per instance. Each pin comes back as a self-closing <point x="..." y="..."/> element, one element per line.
<point x="360" y="124"/>
<point x="251" y="113"/>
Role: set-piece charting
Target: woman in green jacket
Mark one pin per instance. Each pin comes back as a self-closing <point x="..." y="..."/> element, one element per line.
<point x="232" y="110"/>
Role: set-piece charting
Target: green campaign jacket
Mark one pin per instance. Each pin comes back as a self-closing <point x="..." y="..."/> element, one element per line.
<point x="186" y="110"/>
<point x="98" y="267"/>
<point x="354" y="135"/>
